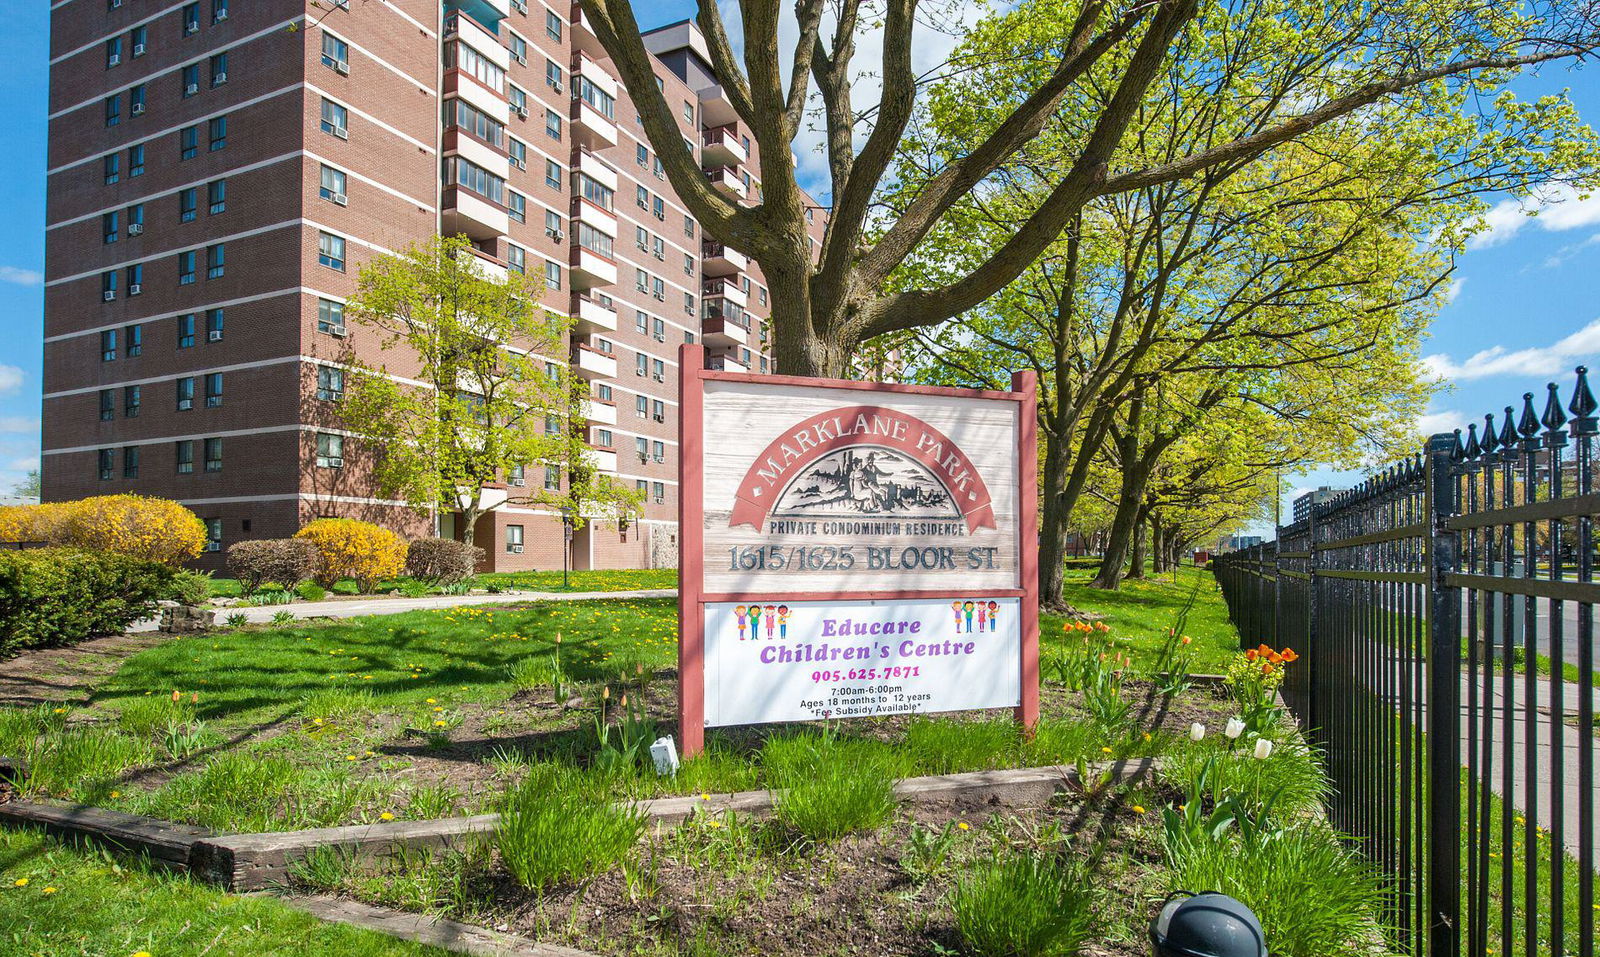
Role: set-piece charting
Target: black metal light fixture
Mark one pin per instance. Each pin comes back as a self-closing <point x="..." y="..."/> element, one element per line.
<point x="1206" y="925"/>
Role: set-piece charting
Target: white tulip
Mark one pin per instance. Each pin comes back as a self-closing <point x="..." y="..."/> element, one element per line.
<point x="1234" y="729"/>
<point x="1263" y="749"/>
<point x="1197" y="731"/>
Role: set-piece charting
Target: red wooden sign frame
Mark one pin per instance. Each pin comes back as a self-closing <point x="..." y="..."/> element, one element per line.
<point x="692" y="596"/>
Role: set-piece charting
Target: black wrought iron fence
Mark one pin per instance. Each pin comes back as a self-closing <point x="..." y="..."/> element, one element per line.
<point x="1444" y="614"/>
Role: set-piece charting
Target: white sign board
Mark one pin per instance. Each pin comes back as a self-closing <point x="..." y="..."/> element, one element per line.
<point x="806" y="661"/>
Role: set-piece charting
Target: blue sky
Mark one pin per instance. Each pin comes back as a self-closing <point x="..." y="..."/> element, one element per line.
<point x="1526" y="309"/>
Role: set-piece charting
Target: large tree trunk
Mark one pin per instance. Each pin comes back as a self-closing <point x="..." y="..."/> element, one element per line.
<point x="1140" y="546"/>
<point x="1053" y="529"/>
<point x="1159" y="548"/>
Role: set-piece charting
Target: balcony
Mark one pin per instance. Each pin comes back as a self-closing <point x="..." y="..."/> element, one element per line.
<point x="728" y="180"/>
<point x="485" y="265"/>
<point x="591" y="363"/>
<point x="590" y="68"/>
<point x="583" y="211"/>
<point x="600" y="412"/>
<point x="722" y="331"/>
<point x="594" y="313"/>
<point x="715" y="107"/>
<point x="723" y="289"/>
<point x="584" y="39"/>
<point x="726" y="364"/>
<point x="597" y="169"/>
<point x="719" y="260"/>
<point x="468" y="213"/>
<point x="487" y="101"/>
<point x="590" y="269"/>
<point x="461" y="26"/>
<point x="591" y="129"/>
<point x="605" y="460"/>
<point x="722" y="147"/>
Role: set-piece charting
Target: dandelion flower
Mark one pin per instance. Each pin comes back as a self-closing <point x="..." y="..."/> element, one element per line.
<point x="49" y="890"/>
<point x="963" y="825"/>
<point x="1105" y="750"/>
<point x="21" y="882"/>
<point x="1138" y="809"/>
<point x="386" y="816"/>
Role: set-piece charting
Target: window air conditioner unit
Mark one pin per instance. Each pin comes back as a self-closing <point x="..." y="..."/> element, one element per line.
<point x="113" y="59"/>
<point x="660" y="499"/>
<point x="111" y="294"/>
<point x="644" y="457"/>
<point x="219" y="79"/>
<point x="661" y="297"/>
<point x="340" y="199"/>
<point x="336" y="463"/>
<point x="519" y="483"/>
<point x="516" y="549"/>
<point x="661" y="418"/>
<point x="185" y="405"/>
<point x="191" y="89"/>
<point x="521" y="111"/>
<point x="134" y="289"/>
<point x="221" y="16"/>
<point x="189" y="28"/>
<point x="661" y="337"/>
<point x="138" y="49"/>
<point x="138" y="109"/>
<point x="215" y="335"/>
<point x="135" y="229"/>
<point x="336" y="331"/>
<point x="213" y="546"/>
<point x="642" y="288"/>
<point x="520" y="164"/>
<point x="342" y="67"/>
<point x="555" y="85"/>
<point x="659" y="377"/>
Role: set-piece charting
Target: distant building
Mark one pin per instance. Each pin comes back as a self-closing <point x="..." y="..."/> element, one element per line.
<point x="19" y="500"/>
<point x="1235" y="543"/>
<point x="1305" y="503"/>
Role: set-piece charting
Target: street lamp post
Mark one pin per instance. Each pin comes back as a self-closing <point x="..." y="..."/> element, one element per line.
<point x="566" y="543"/>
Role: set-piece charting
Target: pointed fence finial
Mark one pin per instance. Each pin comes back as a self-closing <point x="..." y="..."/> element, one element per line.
<point x="1459" y="453"/>
<point x="1508" y="433"/>
<point x="1554" y="418"/>
<point x="1490" y="440"/>
<point x="1583" y="405"/>
<point x="1473" y="449"/>
<point x="1528" y="425"/>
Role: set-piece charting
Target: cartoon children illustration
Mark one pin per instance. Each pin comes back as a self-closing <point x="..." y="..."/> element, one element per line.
<point x="994" y="614"/>
<point x="783" y="621"/>
<point x="983" y="617"/>
<point x="755" y="621"/>
<point x="967" y="608"/>
<point x="771" y="620"/>
<point x="955" y="606"/>
<point x="739" y="614"/>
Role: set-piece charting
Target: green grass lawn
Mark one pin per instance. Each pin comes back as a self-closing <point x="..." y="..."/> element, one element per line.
<point x="1141" y="612"/>
<point x="626" y="579"/>
<point x="57" y="901"/>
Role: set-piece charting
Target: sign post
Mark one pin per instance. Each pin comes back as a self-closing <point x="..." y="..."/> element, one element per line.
<point x="851" y="549"/>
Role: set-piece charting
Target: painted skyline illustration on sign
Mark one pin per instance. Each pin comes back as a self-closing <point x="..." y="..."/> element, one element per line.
<point x="865" y="480"/>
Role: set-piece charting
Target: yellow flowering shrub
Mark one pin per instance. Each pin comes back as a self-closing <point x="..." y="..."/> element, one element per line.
<point x="153" y="529"/>
<point x="355" y="549"/>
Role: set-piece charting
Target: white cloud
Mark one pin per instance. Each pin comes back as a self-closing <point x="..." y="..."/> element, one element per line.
<point x="1560" y="256"/>
<point x="21" y="277"/>
<point x="1558" y="208"/>
<point x="1443" y="421"/>
<point x="1550" y="360"/>
<point x="23" y="464"/>
<point x="18" y="423"/>
<point x="1454" y="289"/>
<point x="10" y="379"/>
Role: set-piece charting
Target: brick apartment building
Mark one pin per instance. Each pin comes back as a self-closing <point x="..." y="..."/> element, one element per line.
<point x="220" y="170"/>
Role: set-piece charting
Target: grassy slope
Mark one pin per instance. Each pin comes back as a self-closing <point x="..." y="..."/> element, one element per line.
<point x="116" y="907"/>
<point x="1140" y="612"/>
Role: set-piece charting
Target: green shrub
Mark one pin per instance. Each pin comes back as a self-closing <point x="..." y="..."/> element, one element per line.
<point x="191" y="588"/>
<point x="53" y="596"/>
<point x="310" y="591"/>
<point x="442" y="561"/>
<point x="1022" y="904"/>
<point x="829" y="787"/>
<point x="558" y="826"/>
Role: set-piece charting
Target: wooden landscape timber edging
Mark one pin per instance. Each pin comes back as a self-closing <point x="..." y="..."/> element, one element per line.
<point x="434" y="931"/>
<point x="251" y="862"/>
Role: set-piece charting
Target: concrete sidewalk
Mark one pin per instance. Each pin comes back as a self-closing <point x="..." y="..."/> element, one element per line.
<point x="358" y="607"/>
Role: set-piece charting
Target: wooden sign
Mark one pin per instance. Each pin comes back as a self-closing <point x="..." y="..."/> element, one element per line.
<point x="853" y="548"/>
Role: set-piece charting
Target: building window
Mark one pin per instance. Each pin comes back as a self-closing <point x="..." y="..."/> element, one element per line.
<point x="113" y="110"/>
<point x="660" y="327"/>
<point x="552" y="479"/>
<point x="594" y="240"/>
<point x="135" y="219"/>
<point x="330" y="317"/>
<point x="688" y="225"/>
<point x="660" y="410"/>
<point x="660" y="248"/>
<point x="108" y="345"/>
<point x="186" y="267"/>
<point x="552" y="274"/>
<point x="109" y="228"/>
<point x="658" y="209"/>
<point x="107" y="463"/>
<point x="552" y="25"/>
<point x="335" y="53"/>
<point x="658" y="451"/>
<point x="183" y="455"/>
<point x="519" y="49"/>
<point x="330" y="251"/>
<point x="464" y="116"/>
<point x="519" y="154"/>
<point x="139" y="36"/>
<point x="641" y="197"/>
<point x="517" y="206"/>
<point x="213" y="533"/>
<point x="130" y="462"/>
<point x="217" y="130"/>
<point x="516" y="258"/>
<point x="186" y="205"/>
<point x="213" y="455"/>
<point x="641" y="407"/>
<point x="552" y="75"/>
<point x="188" y="142"/>
<point x="330" y="451"/>
<point x="189" y="79"/>
<point x="335" y="119"/>
<point x="688" y="265"/>
<point x="131" y="399"/>
<point x="136" y="160"/>
<point x="594" y="191"/>
<point x="552" y="174"/>
<point x="519" y="99"/>
<point x="112" y="167"/>
<point x="469" y="175"/>
<point x="603" y="438"/>
<point x="213" y="390"/>
<point x="216" y="261"/>
<point x="642" y="446"/>
<point x="217" y="196"/>
<point x="135" y="339"/>
<point x="552" y="224"/>
<point x="219" y="10"/>
<point x="214" y="325"/>
<point x="642" y="364"/>
<point x="761" y="293"/>
<point x="113" y="52"/>
<point x="186" y="330"/>
<point x="641" y="322"/>
<point x="332" y="185"/>
<point x="660" y="369"/>
<point x="660" y="491"/>
<point x="642" y="155"/>
<point x="459" y="56"/>
<point x="108" y="285"/>
<point x="330" y="383"/>
<point x="552" y="124"/>
<point x="514" y="539"/>
<point x="185" y="394"/>
<point x="108" y="405"/>
<point x="191" y="18"/>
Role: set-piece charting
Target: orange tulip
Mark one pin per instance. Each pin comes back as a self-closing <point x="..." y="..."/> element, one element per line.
<point x="1275" y="658"/>
<point x="1251" y="655"/>
<point x="1289" y="655"/>
<point x="1266" y="669"/>
<point x="1185" y="640"/>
